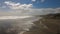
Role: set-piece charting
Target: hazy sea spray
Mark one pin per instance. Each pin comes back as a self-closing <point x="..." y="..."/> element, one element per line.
<point x="10" y="24"/>
<point x="15" y="26"/>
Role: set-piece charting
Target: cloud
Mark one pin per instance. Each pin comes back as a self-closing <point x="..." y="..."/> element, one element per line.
<point x="33" y="0"/>
<point x="22" y="12"/>
<point x="24" y="24"/>
<point x="13" y="5"/>
<point x="29" y="12"/>
<point x="42" y="1"/>
<point x="42" y="11"/>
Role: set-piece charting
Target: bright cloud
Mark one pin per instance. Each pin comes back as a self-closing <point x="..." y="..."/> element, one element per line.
<point x="33" y="0"/>
<point x="30" y="12"/>
<point x="14" y="5"/>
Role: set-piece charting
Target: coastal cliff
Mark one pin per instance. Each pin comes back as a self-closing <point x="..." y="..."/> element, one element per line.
<point x="48" y="24"/>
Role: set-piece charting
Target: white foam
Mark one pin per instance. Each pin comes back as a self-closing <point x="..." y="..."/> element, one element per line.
<point x="13" y="17"/>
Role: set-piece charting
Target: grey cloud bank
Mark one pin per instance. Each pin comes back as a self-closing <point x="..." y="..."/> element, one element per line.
<point x="29" y="12"/>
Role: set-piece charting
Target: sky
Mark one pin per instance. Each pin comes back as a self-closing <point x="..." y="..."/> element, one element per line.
<point x="36" y="3"/>
<point x="14" y="9"/>
<point x="28" y="7"/>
